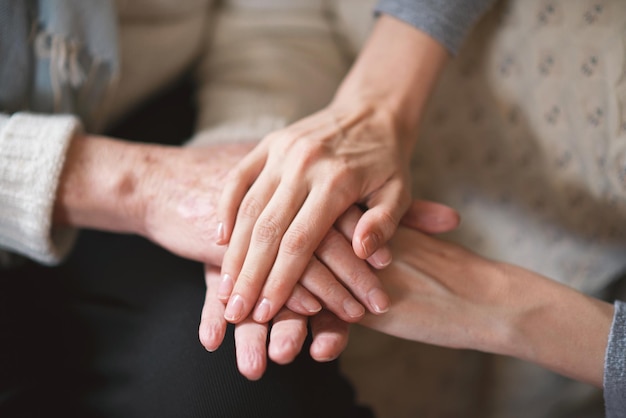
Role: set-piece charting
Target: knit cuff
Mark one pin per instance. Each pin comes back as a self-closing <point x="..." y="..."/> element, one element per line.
<point x="615" y="365"/>
<point x="32" y="153"/>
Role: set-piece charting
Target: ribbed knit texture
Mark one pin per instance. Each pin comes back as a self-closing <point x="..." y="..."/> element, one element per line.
<point x="32" y="152"/>
<point x="615" y="365"/>
<point x="447" y="21"/>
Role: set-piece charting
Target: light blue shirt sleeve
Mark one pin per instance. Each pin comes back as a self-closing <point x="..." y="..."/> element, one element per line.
<point x="446" y="21"/>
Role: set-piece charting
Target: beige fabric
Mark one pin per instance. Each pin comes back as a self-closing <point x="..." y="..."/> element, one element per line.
<point x="526" y="136"/>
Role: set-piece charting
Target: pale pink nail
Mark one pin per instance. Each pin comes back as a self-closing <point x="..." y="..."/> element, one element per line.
<point x="378" y="300"/>
<point x="262" y="312"/>
<point x="221" y="235"/>
<point x="234" y="309"/>
<point x="369" y="244"/>
<point x="353" y="308"/>
<point x="226" y="288"/>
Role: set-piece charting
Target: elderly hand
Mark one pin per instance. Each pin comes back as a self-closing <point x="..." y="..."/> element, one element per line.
<point x="168" y="195"/>
<point x="289" y="330"/>
<point x="287" y="335"/>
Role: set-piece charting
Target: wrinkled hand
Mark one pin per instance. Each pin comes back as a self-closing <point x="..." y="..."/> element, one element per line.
<point x="290" y="190"/>
<point x="289" y="330"/>
<point x="180" y="198"/>
<point x="286" y="337"/>
<point x="180" y="195"/>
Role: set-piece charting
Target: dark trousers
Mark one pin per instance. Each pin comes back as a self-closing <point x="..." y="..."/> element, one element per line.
<point x="112" y="332"/>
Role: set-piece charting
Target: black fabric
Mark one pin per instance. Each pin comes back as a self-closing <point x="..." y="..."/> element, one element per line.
<point x="112" y="332"/>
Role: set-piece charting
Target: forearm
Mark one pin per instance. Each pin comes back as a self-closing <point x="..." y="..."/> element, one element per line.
<point x="101" y="184"/>
<point x="558" y="328"/>
<point x="445" y="295"/>
<point x="395" y="74"/>
<point x="166" y="194"/>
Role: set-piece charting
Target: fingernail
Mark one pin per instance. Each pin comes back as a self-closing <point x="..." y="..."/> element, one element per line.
<point x="381" y="259"/>
<point x="234" y="308"/>
<point x="378" y="300"/>
<point x="311" y="305"/>
<point x="220" y="233"/>
<point x="369" y="244"/>
<point x="353" y="308"/>
<point x="226" y="288"/>
<point x="262" y="312"/>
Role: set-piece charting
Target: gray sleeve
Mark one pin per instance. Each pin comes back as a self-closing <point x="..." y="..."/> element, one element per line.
<point x="615" y="365"/>
<point x="447" y="21"/>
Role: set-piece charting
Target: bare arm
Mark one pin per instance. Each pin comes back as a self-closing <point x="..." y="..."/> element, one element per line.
<point x="445" y="295"/>
<point x="166" y="194"/>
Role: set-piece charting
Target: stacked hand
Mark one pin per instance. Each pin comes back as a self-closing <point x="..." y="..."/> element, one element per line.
<point x="168" y="194"/>
<point x="289" y="329"/>
<point x="281" y="201"/>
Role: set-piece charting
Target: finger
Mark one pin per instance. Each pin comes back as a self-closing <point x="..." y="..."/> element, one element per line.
<point x="303" y="302"/>
<point x="250" y="340"/>
<point x="296" y="249"/>
<point x="322" y="283"/>
<point x="336" y="254"/>
<point x="378" y="224"/>
<point x="239" y="180"/>
<point x="264" y="244"/>
<point x="289" y="330"/>
<point x="431" y="217"/>
<point x="212" y="323"/>
<point x="346" y="224"/>
<point x="330" y="336"/>
<point x="251" y="208"/>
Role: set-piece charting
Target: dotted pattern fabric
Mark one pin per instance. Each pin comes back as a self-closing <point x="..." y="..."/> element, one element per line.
<point x="526" y="137"/>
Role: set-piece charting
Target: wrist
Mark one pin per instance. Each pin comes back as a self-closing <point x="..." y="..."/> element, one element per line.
<point x="395" y="72"/>
<point x="558" y="328"/>
<point x="102" y="185"/>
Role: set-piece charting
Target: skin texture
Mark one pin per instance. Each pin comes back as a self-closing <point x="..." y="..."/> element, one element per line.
<point x="168" y="195"/>
<point x="288" y="331"/>
<point x="280" y="201"/>
<point x="445" y="295"/>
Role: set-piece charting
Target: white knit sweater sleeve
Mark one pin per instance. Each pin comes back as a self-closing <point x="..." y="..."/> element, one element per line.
<point x="32" y="153"/>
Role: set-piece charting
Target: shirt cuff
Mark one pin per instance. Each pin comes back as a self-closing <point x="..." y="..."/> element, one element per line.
<point x="32" y="154"/>
<point x="615" y="365"/>
<point x="448" y="22"/>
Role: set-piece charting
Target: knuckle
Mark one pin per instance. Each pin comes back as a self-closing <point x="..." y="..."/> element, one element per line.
<point x="331" y="292"/>
<point x="309" y="151"/>
<point x="331" y="242"/>
<point x="235" y="175"/>
<point x="296" y="241"/>
<point x="246" y="284"/>
<point x="267" y="230"/>
<point x="388" y="223"/>
<point x="342" y="183"/>
<point x="359" y="278"/>
<point x="250" y="207"/>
